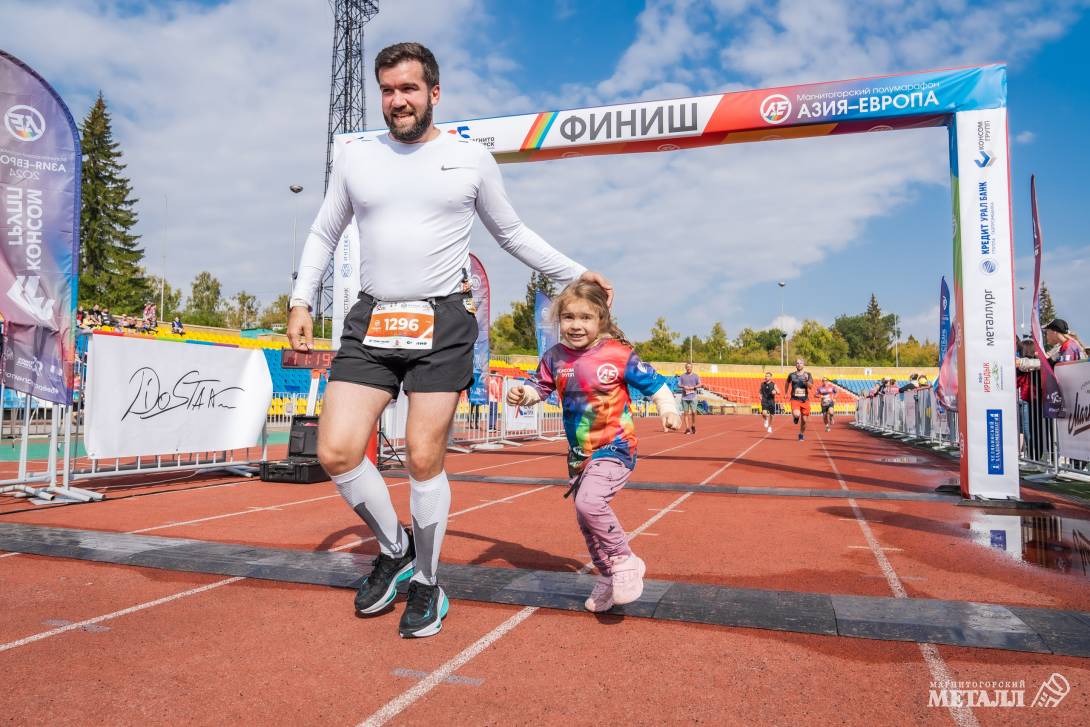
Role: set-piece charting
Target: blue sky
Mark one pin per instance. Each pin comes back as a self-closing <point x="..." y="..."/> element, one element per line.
<point x="220" y="106"/>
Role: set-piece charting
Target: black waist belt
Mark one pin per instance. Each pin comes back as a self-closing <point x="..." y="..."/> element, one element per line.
<point x="453" y="297"/>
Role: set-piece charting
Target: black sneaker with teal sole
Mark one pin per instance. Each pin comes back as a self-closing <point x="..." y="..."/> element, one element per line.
<point x="379" y="589"/>
<point x="425" y="610"/>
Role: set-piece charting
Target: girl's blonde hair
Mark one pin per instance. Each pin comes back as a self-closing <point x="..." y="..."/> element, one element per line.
<point x="595" y="295"/>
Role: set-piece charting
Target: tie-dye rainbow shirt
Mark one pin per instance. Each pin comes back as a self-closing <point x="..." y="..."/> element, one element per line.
<point x="593" y="386"/>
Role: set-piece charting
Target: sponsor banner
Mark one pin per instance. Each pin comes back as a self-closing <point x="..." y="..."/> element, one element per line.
<point x="1053" y="395"/>
<point x="548" y="334"/>
<point x="874" y="104"/>
<point x="984" y="282"/>
<point x="39" y="237"/>
<point x="147" y="397"/>
<point x="1074" y="430"/>
<point x="478" y="281"/>
<point x="517" y="419"/>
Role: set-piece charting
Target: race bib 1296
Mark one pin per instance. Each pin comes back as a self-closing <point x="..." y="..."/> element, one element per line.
<point x="406" y="324"/>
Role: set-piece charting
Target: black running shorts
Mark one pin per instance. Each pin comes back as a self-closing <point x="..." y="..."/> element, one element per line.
<point x="768" y="406"/>
<point x="446" y="367"/>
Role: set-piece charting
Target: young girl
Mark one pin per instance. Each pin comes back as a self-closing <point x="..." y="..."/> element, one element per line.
<point x="592" y="369"/>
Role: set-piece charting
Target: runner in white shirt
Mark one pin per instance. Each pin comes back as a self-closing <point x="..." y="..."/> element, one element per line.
<point x="414" y="193"/>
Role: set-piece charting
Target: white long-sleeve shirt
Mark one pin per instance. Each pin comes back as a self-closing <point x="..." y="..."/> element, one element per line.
<point x="414" y="205"/>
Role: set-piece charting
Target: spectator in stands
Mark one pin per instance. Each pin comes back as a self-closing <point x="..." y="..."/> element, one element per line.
<point x="107" y="319"/>
<point x="176" y="326"/>
<point x="910" y="384"/>
<point x="923" y="382"/>
<point x="94" y="318"/>
<point x="150" y="317"/>
<point x="81" y="316"/>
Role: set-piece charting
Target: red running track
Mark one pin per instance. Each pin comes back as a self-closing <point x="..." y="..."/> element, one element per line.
<point x="272" y="653"/>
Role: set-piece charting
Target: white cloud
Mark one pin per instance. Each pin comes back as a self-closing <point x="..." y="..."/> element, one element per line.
<point x="790" y="324"/>
<point x="1024" y="137"/>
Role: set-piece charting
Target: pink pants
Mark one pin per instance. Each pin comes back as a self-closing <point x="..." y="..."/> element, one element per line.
<point x="598" y="484"/>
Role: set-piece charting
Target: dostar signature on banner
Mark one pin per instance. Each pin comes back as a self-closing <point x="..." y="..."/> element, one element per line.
<point x="161" y="397"/>
<point x="39" y="238"/>
<point x="1074" y="430"/>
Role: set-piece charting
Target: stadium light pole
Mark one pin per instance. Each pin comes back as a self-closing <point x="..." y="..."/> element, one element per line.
<point x="783" y="337"/>
<point x="897" y="340"/>
<point x="1022" y="295"/>
<point x="295" y="190"/>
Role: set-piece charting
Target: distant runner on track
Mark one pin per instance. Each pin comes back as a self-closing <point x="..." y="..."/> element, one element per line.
<point x="768" y="400"/>
<point x="827" y="392"/>
<point x="797" y="389"/>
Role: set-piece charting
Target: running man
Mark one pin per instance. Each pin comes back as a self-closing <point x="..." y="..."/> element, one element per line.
<point x="689" y="383"/>
<point x="768" y="400"/>
<point x="415" y="193"/>
<point x="827" y="392"/>
<point x="797" y="390"/>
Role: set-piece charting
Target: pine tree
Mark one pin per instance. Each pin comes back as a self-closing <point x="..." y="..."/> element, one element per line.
<point x="877" y="333"/>
<point x="110" y="272"/>
<point x="1046" y="308"/>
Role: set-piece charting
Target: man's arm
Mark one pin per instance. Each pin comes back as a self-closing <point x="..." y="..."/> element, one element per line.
<point x="512" y="234"/>
<point x="333" y="216"/>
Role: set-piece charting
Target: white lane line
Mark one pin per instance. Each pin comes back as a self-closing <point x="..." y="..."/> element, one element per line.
<point x="117" y="614"/>
<point x="940" y="672"/>
<point x="217" y="584"/>
<point x="397" y="705"/>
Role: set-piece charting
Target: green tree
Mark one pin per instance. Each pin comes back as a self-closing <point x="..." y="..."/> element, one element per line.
<point x="818" y="345"/>
<point x="242" y="312"/>
<point x="914" y="353"/>
<point x="205" y="307"/>
<point x="693" y="348"/>
<point x="717" y="344"/>
<point x="1046" y="308"/>
<point x="877" y="334"/>
<point x="171" y="298"/>
<point x="503" y="338"/>
<point x="275" y="314"/>
<point x="850" y="328"/>
<point x="661" y="346"/>
<point x="109" y="264"/>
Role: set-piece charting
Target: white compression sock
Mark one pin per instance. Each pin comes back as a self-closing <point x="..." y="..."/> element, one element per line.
<point x="430" y="504"/>
<point x="365" y="491"/>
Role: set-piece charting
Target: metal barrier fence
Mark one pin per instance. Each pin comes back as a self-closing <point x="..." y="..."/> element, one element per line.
<point x="917" y="415"/>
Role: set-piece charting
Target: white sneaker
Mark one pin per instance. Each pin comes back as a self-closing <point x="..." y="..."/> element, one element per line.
<point x="601" y="598"/>
<point x="628" y="571"/>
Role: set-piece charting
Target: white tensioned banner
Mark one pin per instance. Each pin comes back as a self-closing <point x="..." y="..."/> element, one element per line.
<point x="162" y="397"/>
<point x="984" y="288"/>
<point x="957" y="98"/>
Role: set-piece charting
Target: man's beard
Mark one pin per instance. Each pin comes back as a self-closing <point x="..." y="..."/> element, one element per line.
<point x="414" y="132"/>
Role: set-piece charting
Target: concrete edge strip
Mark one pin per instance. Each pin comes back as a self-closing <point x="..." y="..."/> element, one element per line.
<point x="711" y="489"/>
<point x="957" y="623"/>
